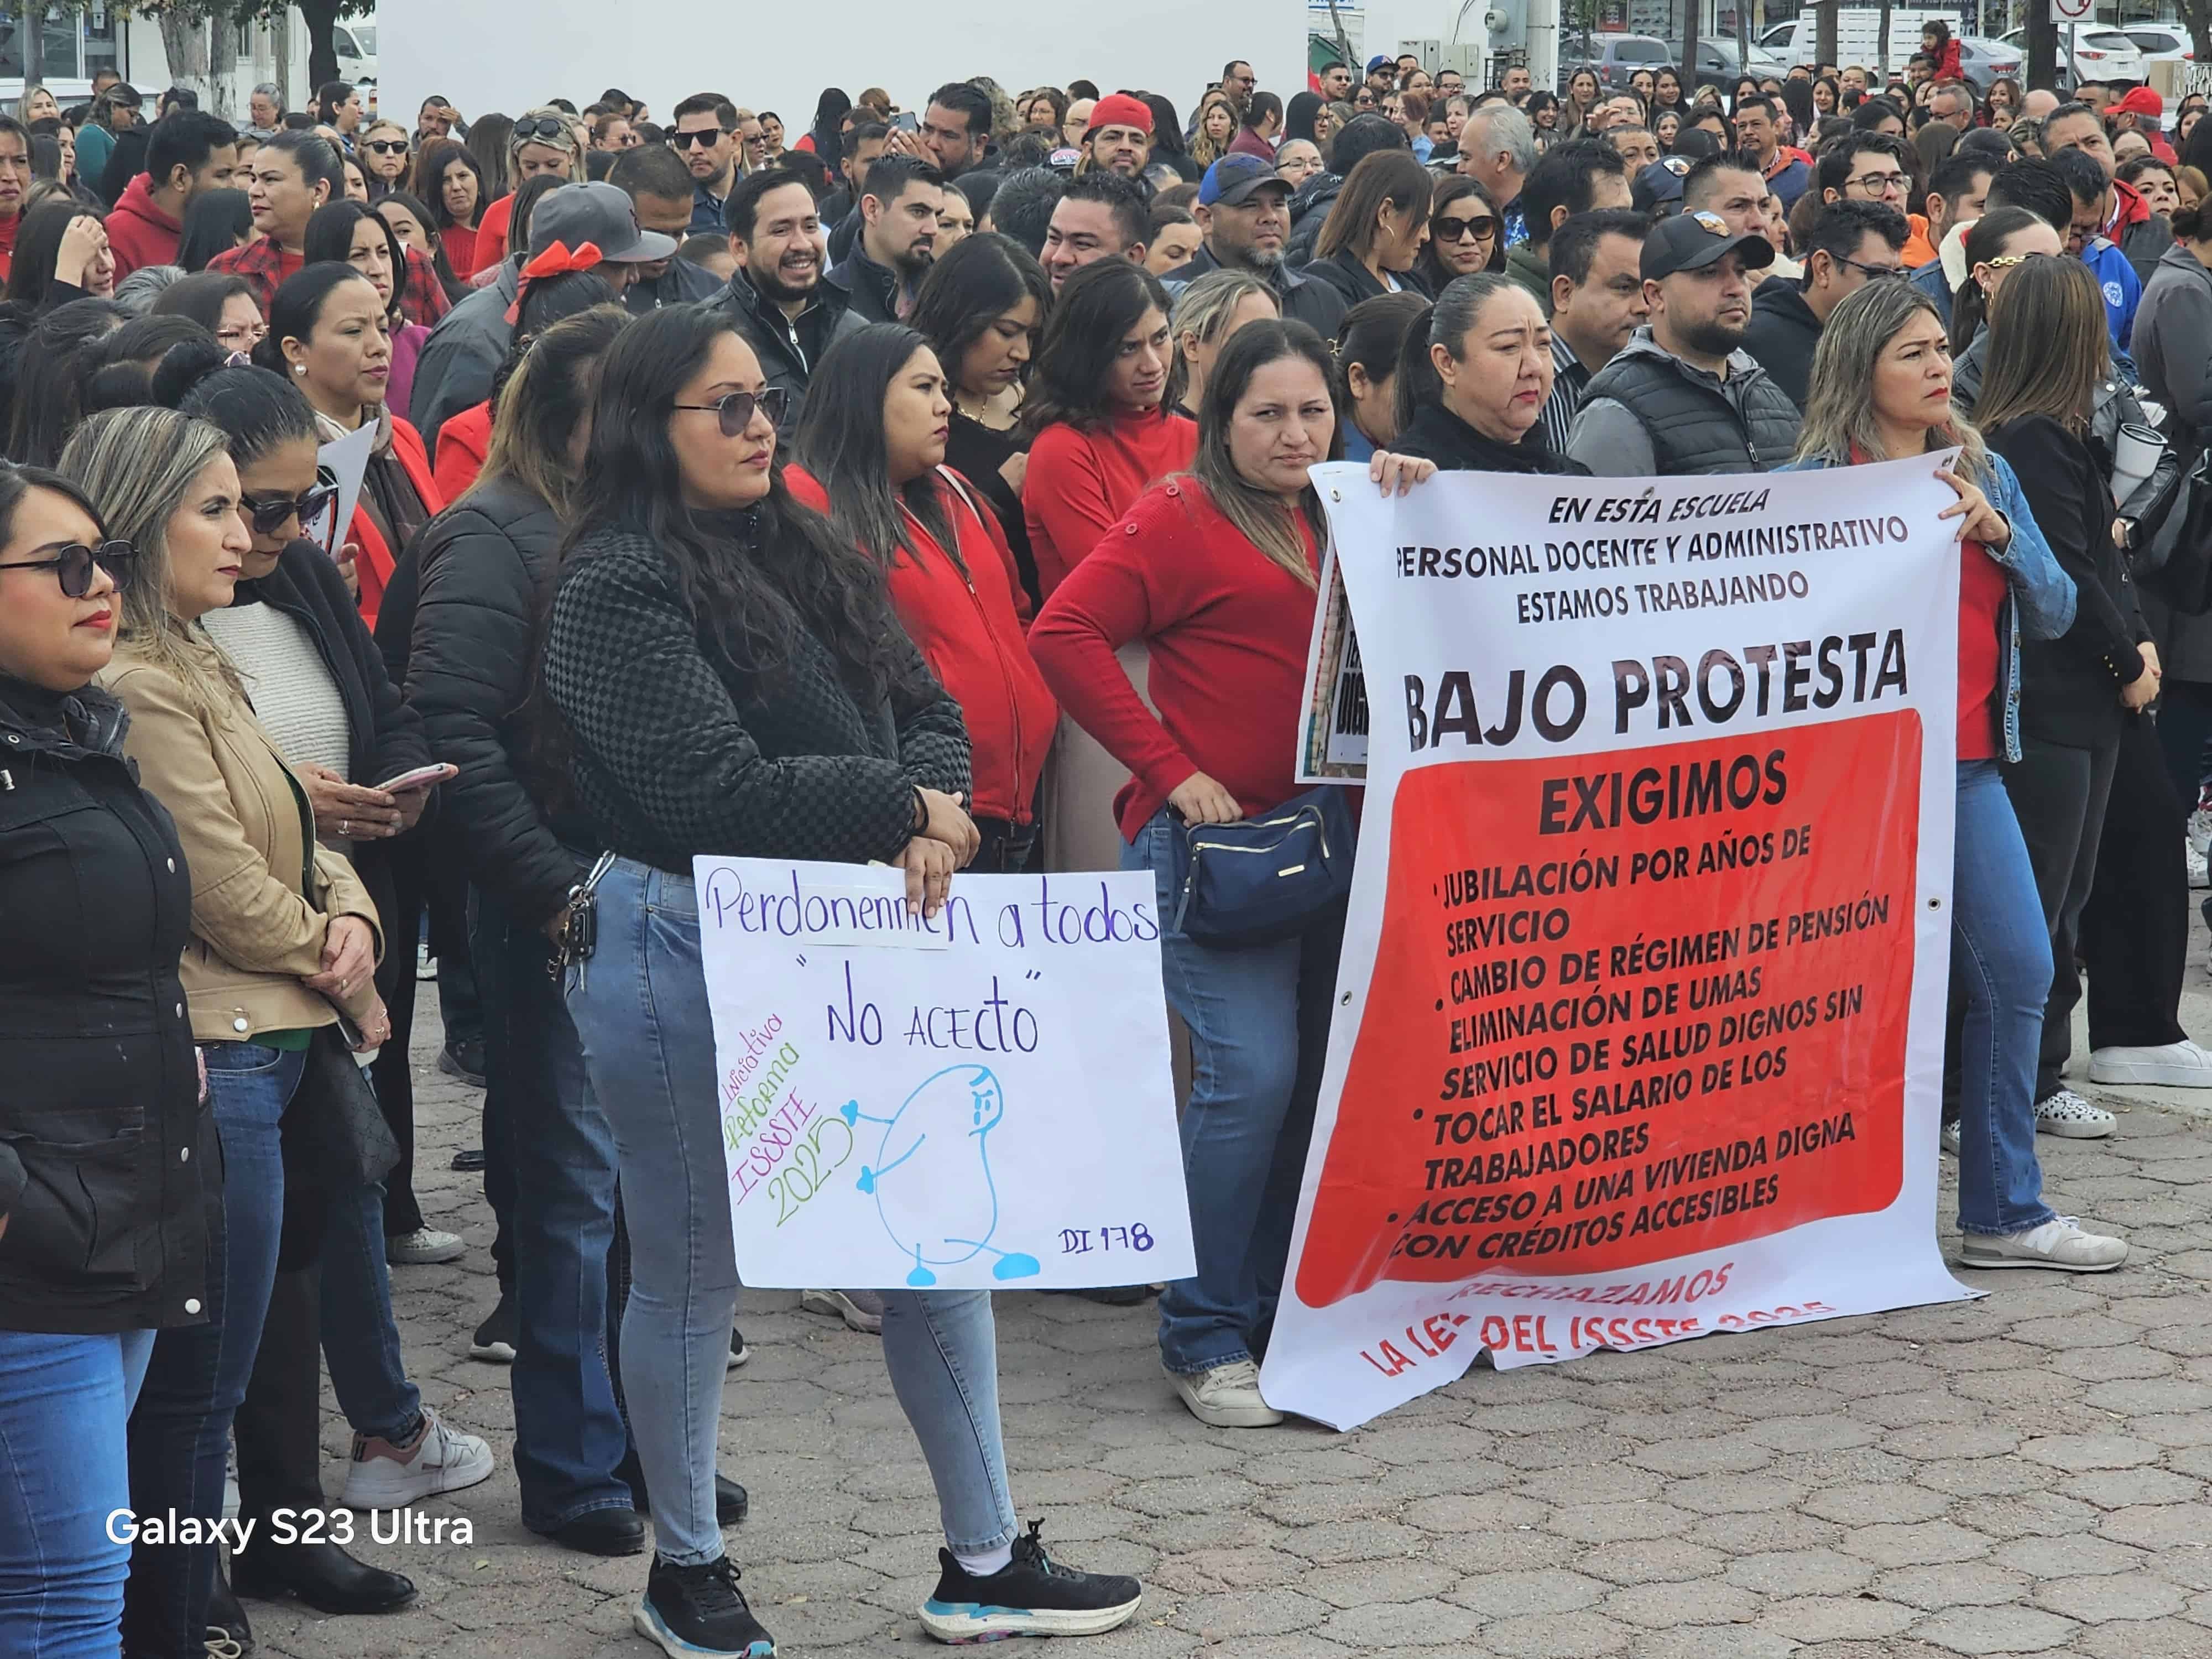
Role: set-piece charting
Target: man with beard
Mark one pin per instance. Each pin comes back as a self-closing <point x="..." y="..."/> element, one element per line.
<point x="1683" y="396"/>
<point x="1244" y="209"/>
<point x="705" y="136"/>
<point x="777" y="298"/>
<point x="899" y="204"/>
<point x="1119" y="136"/>
<point x="661" y="186"/>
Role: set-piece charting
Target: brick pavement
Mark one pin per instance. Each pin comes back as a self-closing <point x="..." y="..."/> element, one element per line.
<point x="2022" y="1475"/>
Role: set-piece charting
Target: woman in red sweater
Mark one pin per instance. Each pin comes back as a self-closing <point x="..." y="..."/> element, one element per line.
<point x="1100" y="407"/>
<point x="871" y="457"/>
<point x="1216" y="571"/>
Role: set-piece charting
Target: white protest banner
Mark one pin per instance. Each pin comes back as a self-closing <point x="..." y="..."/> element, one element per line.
<point x="1639" y="1030"/>
<point x="981" y="1100"/>
<point x="342" y="462"/>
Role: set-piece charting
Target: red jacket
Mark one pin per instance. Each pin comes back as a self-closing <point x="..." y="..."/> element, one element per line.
<point x="138" y="232"/>
<point x="969" y="630"/>
<point x="373" y="568"/>
<point x="463" y="443"/>
<point x="1079" y="483"/>
<point x="1947" y="67"/>
<point x="1228" y="629"/>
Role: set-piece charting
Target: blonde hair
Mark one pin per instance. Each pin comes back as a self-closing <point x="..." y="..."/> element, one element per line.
<point x="138" y="466"/>
<point x="1202" y="147"/>
<point x="1840" y="409"/>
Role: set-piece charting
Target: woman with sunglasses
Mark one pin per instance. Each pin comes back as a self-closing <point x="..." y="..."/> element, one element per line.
<point x="385" y="153"/>
<point x="328" y="332"/>
<point x="1463" y="235"/>
<point x="790" y="715"/>
<point x="104" y="1105"/>
<point x="283" y="940"/>
<point x="543" y="144"/>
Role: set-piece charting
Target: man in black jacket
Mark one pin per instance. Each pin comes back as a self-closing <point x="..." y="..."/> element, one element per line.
<point x="1852" y="244"/>
<point x="899" y="205"/>
<point x="1243" y="208"/>
<point x="1310" y="207"/>
<point x="659" y="187"/>
<point x="786" y="313"/>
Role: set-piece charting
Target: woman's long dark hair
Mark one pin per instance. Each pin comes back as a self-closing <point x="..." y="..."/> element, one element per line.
<point x="257" y="409"/>
<point x="985" y="277"/>
<point x="37" y="242"/>
<point x="829" y="112"/>
<point x="213" y="224"/>
<point x="1385" y="178"/>
<point x="441" y="266"/>
<point x="51" y="375"/>
<point x="1255" y="512"/>
<point x="1984" y="241"/>
<point x="1299" y="116"/>
<point x="840" y="442"/>
<point x="437" y="159"/>
<point x="1430" y="269"/>
<point x="755" y="588"/>
<point x="329" y="240"/>
<point x="1095" y="308"/>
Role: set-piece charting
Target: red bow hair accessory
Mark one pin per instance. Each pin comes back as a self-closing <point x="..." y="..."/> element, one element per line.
<point x="557" y="260"/>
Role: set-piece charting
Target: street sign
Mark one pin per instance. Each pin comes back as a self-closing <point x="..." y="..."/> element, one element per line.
<point x="2064" y="12"/>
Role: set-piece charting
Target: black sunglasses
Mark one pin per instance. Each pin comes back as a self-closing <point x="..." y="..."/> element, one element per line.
<point x="72" y="566"/>
<point x="539" y="128"/>
<point x="1449" y="228"/>
<point x="736" y="408"/>
<point x="269" y="514"/>
<point x="702" y="139"/>
<point x="387" y="146"/>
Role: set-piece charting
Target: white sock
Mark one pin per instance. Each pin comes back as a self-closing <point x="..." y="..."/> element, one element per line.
<point x="981" y="1564"/>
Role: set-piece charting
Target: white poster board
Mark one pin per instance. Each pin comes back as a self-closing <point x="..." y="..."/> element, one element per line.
<point x="1640" y="1025"/>
<point x="344" y="462"/>
<point x="980" y="1101"/>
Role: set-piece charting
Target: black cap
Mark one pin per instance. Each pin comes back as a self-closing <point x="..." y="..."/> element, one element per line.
<point x="1691" y="241"/>
<point x="1659" y="184"/>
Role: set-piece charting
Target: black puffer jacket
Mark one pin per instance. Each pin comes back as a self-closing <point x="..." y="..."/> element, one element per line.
<point x="1309" y="205"/>
<point x="102" y="1134"/>
<point x="680" y="751"/>
<point x="481" y="565"/>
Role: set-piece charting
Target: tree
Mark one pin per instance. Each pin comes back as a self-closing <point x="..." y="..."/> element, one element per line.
<point x="319" y="16"/>
<point x="1824" y="32"/>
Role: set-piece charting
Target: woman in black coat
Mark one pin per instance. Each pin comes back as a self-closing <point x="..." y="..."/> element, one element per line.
<point x="103" y="1223"/>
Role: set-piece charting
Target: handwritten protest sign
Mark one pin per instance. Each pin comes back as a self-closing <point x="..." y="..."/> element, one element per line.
<point x="1640" y="1022"/>
<point x="982" y="1100"/>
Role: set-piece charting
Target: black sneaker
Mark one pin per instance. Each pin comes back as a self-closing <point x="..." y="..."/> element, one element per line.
<point x="465" y="1060"/>
<point x="469" y="1159"/>
<point x="699" y="1611"/>
<point x="1033" y="1596"/>
<point x="495" y="1337"/>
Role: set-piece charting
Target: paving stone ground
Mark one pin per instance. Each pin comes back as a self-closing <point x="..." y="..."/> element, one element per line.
<point x="2022" y="1475"/>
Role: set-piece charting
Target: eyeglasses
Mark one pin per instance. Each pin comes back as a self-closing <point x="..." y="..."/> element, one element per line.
<point x="1872" y="270"/>
<point x="387" y="146"/>
<point x="72" y="566"/>
<point x="701" y="139"/>
<point x="543" y="129"/>
<point x="270" y="513"/>
<point x="2007" y="261"/>
<point x="736" y="408"/>
<point x="1878" y="183"/>
<point x="1449" y="227"/>
<point x="241" y="336"/>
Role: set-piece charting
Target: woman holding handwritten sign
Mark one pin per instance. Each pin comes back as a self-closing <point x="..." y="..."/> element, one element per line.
<point x="730" y="677"/>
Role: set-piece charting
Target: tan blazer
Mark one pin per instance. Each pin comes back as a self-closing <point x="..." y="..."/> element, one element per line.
<point x="248" y="834"/>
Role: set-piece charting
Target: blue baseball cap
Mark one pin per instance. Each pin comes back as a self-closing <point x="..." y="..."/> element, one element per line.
<point x="1234" y="179"/>
<point x="1380" y="60"/>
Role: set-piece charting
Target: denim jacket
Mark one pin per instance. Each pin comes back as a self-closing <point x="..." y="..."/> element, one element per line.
<point x="2041" y="598"/>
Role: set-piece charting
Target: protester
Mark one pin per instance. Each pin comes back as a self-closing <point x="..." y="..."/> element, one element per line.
<point x="1597" y="305"/>
<point x="1498" y="150"/>
<point x="1376" y="229"/>
<point x="1207" y="315"/>
<point x="293" y="173"/>
<point x="660" y="191"/>
<point x="1580" y="176"/>
<point x="543" y="144"/>
<point x="1852" y="243"/>
<point x="1683" y="395"/>
<point x="105" y="907"/>
<point x="704" y="135"/>
<point x="899" y="206"/>
<point x="1216" y="575"/>
<point x="1464" y="236"/>
<point x="186" y="154"/>
<point x="1367" y="353"/>
<point x="446" y="177"/>
<point x="777" y="299"/>
<point x="2092" y="191"/>
<point x="1787" y="175"/>
<point x="2127" y="221"/>
<point x="222" y="305"/>
<point x="1242" y="211"/>
<point x="662" y="490"/>
<point x="62" y="254"/>
<point x="1119" y="136"/>
<point x="1100" y="215"/>
<point x="350" y="233"/>
<point x="1473" y="381"/>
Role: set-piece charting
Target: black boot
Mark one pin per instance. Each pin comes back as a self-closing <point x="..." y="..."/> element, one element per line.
<point x="731" y="1502"/>
<point x="225" y="1614"/>
<point x="322" y="1575"/>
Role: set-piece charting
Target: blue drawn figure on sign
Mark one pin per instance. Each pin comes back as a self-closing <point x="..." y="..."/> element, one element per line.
<point x="931" y="1174"/>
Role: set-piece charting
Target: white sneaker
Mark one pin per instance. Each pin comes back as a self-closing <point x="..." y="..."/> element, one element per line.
<point x="423" y="1247"/>
<point x="1949" y="1137"/>
<point x="383" y="1476"/>
<point x="2070" y="1117"/>
<point x="2183" y="1065"/>
<point x="2200" y="830"/>
<point x="861" y="1310"/>
<point x="2059" y="1243"/>
<point x="1227" y="1397"/>
<point x="2200" y="873"/>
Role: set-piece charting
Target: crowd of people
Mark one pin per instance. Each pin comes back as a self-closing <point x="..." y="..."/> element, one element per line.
<point x="928" y="487"/>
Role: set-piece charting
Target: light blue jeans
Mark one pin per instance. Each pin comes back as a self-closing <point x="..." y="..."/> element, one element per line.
<point x="65" y="1468"/>
<point x="2001" y="952"/>
<point x="640" y="1005"/>
<point x="1259" y="1032"/>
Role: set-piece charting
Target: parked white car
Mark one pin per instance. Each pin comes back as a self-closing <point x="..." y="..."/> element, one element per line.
<point x="2163" y="43"/>
<point x="356" y="43"/>
<point x="2100" y="54"/>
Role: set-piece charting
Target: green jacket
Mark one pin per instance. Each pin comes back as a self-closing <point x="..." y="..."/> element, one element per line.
<point x="1532" y="270"/>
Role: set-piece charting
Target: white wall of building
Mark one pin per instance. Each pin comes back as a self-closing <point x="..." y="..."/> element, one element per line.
<point x="488" y="54"/>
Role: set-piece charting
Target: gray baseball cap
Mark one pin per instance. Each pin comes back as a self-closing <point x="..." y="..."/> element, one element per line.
<point x="599" y="213"/>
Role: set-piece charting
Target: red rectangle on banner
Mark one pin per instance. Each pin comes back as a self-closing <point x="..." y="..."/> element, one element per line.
<point x="1629" y="1006"/>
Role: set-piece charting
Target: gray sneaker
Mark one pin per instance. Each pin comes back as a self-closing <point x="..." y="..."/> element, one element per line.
<point x="2059" y="1244"/>
<point x="1226" y="1397"/>
<point x="861" y="1310"/>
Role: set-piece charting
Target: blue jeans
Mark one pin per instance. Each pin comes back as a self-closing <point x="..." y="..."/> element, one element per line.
<point x="65" y="1468"/>
<point x="181" y="1426"/>
<point x="2002" y="954"/>
<point x="568" y="1430"/>
<point x="640" y="1005"/>
<point x="1259" y="1032"/>
<point x="361" y="1337"/>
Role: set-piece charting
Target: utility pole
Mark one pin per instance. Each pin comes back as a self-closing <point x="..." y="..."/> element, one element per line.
<point x="1544" y="43"/>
